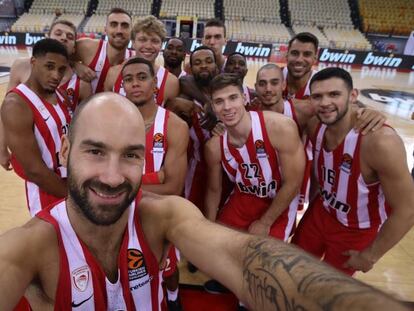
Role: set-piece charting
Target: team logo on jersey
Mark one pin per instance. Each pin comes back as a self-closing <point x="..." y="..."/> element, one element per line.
<point x="260" y="149"/>
<point x="70" y="92"/>
<point x="80" y="278"/>
<point x="346" y="163"/>
<point x="158" y="143"/>
<point x="136" y="264"/>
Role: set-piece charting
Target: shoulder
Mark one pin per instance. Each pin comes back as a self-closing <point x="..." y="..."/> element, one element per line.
<point x="85" y="43"/>
<point x="13" y="103"/>
<point x="278" y="122"/>
<point x="384" y="139"/>
<point x="176" y="123"/>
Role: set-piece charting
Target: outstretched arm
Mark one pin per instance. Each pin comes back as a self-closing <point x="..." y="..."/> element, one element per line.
<point x="266" y="274"/>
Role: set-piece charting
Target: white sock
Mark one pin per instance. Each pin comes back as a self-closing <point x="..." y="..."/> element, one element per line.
<point x="172" y="295"/>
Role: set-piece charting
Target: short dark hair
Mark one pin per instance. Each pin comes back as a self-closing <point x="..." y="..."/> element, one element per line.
<point x="47" y="45"/>
<point x="236" y="53"/>
<point x="332" y="72"/>
<point x="215" y="22"/>
<point x="200" y="48"/>
<point x="62" y="22"/>
<point x="269" y="66"/>
<point x="139" y="60"/>
<point x="305" y="37"/>
<point x="178" y="38"/>
<point x="119" y="11"/>
<point x="226" y="79"/>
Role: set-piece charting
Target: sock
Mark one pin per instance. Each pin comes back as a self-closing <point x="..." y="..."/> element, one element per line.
<point x="172" y="295"/>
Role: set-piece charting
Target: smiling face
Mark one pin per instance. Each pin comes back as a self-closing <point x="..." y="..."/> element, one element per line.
<point x="269" y="86"/>
<point x="118" y="30"/>
<point x="147" y="45"/>
<point x="229" y="105"/>
<point x="301" y="57"/>
<point x="105" y="158"/>
<point x="331" y="99"/>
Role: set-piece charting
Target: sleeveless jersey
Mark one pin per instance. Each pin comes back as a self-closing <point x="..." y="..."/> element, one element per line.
<point x="254" y="167"/>
<point x="82" y="284"/>
<point x="72" y="89"/>
<point x="162" y="75"/>
<point x="50" y="122"/>
<point x="303" y="93"/>
<point x="157" y="138"/>
<point x="343" y="191"/>
<point x="100" y="64"/>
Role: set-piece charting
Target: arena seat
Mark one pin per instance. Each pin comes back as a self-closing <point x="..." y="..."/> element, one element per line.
<point x="203" y="9"/>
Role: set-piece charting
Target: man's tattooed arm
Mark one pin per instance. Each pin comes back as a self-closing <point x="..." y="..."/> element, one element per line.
<point x="277" y="276"/>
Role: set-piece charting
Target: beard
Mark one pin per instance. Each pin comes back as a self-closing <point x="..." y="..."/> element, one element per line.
<point x="339" y="117"/>
<point x="203" y="81"/>
<point x="99" y="214"/>
<point x="172" y="63"/>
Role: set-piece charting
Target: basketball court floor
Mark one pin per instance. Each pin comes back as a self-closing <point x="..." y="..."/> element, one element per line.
<point x="384" y="89"/>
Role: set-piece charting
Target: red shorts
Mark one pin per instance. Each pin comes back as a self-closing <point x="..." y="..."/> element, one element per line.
<point x="172" y="262"/>
<point x="322" y="235"/>
<point x="242" y="209"/>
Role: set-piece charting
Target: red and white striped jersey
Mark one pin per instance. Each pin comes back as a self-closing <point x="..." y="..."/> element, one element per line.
<point x="82" y="282"/>
<point x="300" y="94"/>
<point x="50" y="122"/>
<point x="100" y="64"/>
<point x="156" y="142"/>
<point x="162" y="75"/>
<point x="198" y="137"/>
<point x="343" y="191"/>
<point x="72" y="89"/>
<point x="254" y="167"/>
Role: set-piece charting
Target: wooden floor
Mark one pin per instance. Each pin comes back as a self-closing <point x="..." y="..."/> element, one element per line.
<point x="394" y="273"/>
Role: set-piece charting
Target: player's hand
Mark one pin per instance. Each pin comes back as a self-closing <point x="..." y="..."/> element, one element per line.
<point x="369" y="120"/>
<point x="5" y="159"/>
<point x="219" y="129"/>
<point x="84" y="72"/>
<point x="258" y="227"/>
<point x="358" y="261"/>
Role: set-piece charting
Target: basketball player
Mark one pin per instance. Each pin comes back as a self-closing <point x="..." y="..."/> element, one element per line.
<point x="148" y="34"/>
<point x="65" y="32"/>
<point x="214" y="37"/>
<point x="236" y="63"/>
<point x="101" y="55"/>
<point x="301" y="57"/>
<point x="35" y="114"/>
<point x="174" y="55"/>
<point x="101" y="248"/>
<point x="166" y="153"/>
<point x="365" y="192"/>
<point x="204" y="69"/>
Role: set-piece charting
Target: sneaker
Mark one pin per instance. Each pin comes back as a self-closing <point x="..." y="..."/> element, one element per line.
<point x="214" y="287"/>
<point x="191" y="268"/>
<point x="174" y="305"/>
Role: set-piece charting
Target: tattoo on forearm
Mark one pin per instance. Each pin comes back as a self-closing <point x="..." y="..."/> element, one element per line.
<point x="280" y="277"/>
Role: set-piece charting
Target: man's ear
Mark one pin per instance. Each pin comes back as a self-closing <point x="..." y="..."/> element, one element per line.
<point x="64" y="151"/>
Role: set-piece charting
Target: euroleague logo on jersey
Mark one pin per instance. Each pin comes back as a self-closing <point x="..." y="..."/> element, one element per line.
<point x="158" y="143"/>
<point x="136" y="264"/>
<point x="346" y="164"/>
<point x="260" y="149"/>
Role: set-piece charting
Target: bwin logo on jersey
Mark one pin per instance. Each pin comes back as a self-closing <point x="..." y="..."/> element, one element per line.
<point x="262" y="190"/>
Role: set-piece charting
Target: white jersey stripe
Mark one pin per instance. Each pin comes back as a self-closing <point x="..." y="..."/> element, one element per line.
<point x="361" y="202"/>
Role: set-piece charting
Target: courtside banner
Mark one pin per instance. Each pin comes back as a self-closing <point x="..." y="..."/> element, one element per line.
<point x="366" y="58"/>
<point x="249" y="49"/>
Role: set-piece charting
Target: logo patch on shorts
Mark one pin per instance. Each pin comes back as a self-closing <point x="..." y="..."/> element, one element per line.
<point x="346" y="164"/>
<point x="80" y="278"/>
<point x="136" y="264"/>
